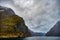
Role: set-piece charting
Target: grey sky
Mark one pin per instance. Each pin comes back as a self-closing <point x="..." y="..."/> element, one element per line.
<point x="39" y="15"/>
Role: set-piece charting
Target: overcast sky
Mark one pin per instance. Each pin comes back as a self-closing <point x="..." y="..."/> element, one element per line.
<point x="39" y="15"/>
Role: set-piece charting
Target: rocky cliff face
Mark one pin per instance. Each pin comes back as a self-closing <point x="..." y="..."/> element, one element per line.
<point x="55" y="31"/>
<point x="12" y="25"/>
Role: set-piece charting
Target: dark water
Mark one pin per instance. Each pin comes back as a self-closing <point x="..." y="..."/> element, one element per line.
<point x="35" y="38"/>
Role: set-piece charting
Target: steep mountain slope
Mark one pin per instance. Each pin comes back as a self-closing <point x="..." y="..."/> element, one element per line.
<point x="12" y="25"/>
<point x="55" y="31"/>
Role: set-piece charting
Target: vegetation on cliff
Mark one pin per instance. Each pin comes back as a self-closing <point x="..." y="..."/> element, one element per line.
<point x="12" y="25"/>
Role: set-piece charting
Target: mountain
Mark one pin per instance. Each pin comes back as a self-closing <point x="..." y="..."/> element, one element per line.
<point x="12" y="25"/>
<point x="55" y="31"/>
<point x="37" y="33"/>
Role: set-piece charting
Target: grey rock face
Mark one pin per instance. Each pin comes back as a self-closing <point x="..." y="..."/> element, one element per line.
<point x="5" y="12"/>
<point x="55" y="31"/>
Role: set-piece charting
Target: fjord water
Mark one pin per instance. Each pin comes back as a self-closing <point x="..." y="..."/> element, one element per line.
<point x="34" y="38"/>
<point x="42" y="38"/>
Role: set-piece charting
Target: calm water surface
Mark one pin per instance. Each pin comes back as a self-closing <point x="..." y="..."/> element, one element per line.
<point x="42" y="38"/>
<point x="34" y="38"/>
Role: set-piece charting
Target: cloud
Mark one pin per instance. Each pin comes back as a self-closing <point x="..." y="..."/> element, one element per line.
<point x="39" y="15"/>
